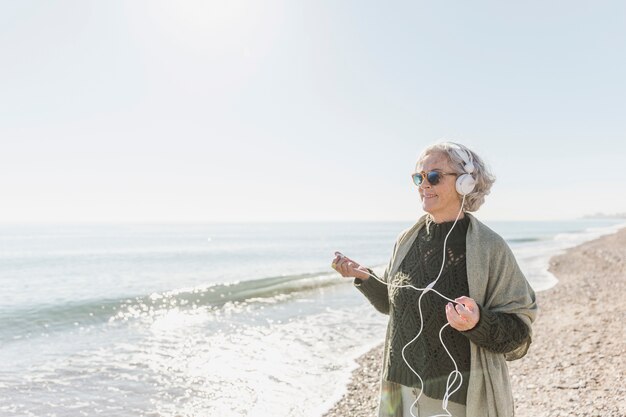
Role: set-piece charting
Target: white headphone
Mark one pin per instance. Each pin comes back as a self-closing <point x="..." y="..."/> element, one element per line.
<point x="465" y="183"/>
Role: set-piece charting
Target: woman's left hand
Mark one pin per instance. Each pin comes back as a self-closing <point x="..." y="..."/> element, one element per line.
<point x="464" y="315"/>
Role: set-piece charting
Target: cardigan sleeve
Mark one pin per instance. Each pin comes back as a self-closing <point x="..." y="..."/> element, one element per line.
<point x="498" y="332"/>
<point x="505" y="293"/>
<point x="375" y="291"/>
<point x="498" y="285"/>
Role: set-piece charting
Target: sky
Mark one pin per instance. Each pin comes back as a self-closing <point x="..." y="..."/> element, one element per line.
<point x="276" y="110"/>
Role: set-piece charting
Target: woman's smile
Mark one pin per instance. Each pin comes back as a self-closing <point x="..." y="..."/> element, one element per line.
<point x="441" y="200"/>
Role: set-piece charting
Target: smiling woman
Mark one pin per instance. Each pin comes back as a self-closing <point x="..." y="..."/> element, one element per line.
<point x="446" y="168"/>
<point x="438" y="196"/>
<point x="452" y="324"/>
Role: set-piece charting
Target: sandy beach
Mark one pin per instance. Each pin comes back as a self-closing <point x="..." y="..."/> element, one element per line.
<point x="576" y="365"/>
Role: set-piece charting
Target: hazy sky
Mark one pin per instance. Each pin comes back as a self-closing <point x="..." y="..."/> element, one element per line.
<point x="305" y="110"/>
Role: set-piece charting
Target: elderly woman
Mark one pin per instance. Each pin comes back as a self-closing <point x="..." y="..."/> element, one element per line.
<point x="458" y="304"/>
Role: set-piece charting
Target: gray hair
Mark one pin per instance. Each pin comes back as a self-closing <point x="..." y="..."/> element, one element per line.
<point x="483" y="176"/>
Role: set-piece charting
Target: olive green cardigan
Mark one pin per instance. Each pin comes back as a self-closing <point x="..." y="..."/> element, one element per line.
<point x="496" y="283"/>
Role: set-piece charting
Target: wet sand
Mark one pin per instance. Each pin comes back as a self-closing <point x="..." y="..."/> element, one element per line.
<point x="576" y="365"/>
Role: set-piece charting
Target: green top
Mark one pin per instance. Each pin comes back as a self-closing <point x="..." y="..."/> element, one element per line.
<point x="498" y="286"/>
<point x="498" y="332"/>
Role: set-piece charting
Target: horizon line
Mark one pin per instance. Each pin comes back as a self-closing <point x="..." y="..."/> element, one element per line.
<point x="261" y="221"/>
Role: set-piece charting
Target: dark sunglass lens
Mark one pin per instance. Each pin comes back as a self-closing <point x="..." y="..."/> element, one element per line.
<point x="417" y="179"/>
<point x="433" y="177"/>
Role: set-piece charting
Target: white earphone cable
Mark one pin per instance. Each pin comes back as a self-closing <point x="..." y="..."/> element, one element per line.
<point x="451" y="384"/>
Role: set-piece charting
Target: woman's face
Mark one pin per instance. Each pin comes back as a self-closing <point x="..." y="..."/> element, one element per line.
<point x="441" y="201"/>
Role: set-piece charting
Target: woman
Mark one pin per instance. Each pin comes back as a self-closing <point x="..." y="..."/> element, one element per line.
<point x="458" y="304"/>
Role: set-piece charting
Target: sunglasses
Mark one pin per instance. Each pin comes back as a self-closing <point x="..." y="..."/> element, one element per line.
<point x="433" y="177"/>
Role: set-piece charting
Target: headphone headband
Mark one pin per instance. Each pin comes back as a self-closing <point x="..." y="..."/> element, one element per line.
<point x="466" y="156"/>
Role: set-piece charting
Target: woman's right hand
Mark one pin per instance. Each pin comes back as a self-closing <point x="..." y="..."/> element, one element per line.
<point x="349" y="268"/>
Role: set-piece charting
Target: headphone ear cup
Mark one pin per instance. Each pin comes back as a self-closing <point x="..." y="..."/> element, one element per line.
<point x="465" y="184"/>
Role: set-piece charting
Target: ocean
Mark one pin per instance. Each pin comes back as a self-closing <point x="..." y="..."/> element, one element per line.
<point x="203" y="319"/>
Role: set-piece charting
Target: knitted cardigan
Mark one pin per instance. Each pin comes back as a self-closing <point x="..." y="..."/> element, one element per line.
<point x="497" y="284"/>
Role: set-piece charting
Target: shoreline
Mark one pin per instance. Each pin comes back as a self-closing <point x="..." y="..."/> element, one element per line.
<point x="576" y="363"/>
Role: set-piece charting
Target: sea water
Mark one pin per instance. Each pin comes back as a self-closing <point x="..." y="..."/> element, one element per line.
<point x="202" y="320"/>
